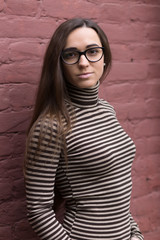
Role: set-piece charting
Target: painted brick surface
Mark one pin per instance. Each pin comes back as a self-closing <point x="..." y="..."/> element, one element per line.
<point x="132" y="87"/>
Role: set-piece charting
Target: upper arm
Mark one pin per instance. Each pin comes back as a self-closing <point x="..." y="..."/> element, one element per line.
<point x="42" y="158"/>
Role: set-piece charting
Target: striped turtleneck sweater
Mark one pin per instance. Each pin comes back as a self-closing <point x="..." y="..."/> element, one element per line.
<point x="96" y="183"/>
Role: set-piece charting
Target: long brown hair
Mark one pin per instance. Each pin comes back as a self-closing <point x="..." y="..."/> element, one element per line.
<point x="52" y="88"/>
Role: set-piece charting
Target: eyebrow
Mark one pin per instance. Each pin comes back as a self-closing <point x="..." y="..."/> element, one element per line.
<point x="92" y="45"/>
<point x="74" y="48"/>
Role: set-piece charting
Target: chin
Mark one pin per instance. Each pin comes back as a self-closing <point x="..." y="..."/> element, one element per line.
<point x="86" y="84"/>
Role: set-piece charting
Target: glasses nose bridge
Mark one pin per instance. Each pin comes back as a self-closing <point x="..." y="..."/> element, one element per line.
<point x="82" y="53"/>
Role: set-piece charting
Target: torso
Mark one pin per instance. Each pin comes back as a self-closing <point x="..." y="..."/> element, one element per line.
<point x="97" y="181"/>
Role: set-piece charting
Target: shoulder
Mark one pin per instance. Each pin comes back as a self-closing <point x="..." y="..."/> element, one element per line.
<point x="107" y="106"/>
<point x="43" y="126"/>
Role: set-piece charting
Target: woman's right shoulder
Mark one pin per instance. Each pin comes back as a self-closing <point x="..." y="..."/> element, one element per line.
<point x="44" y="124"/>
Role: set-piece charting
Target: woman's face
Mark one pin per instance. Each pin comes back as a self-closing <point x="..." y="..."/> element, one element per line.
<point x="83" y="74"/>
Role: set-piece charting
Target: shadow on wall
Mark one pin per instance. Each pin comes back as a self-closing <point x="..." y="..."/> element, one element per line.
<point x="13" y="223"/>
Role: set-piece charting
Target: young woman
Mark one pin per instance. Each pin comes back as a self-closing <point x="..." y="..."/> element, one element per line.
<point x="76" y="145"/>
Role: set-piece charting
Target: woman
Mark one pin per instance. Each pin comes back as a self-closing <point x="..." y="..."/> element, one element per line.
<point x="76" y="145"/>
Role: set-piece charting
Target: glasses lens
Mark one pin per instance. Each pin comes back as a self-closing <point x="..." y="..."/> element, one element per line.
<point x="70" y="57"/>
<point x="94" y="54"/>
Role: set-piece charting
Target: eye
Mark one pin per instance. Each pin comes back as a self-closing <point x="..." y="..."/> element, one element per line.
<point x="93" y="51"/>
<point x="70" y="54"/>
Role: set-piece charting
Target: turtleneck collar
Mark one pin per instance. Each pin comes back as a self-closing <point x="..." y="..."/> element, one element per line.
<point x="83" y="97"/>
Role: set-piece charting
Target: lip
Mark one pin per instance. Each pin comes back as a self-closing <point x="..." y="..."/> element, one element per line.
<point x="85" y="75"/>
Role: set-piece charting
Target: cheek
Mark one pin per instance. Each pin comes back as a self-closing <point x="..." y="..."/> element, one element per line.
<point x="67" y="71"/>
<point x="100" y="68"/>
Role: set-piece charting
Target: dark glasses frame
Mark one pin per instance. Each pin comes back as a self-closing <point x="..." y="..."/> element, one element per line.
<point x="82" y="53"/>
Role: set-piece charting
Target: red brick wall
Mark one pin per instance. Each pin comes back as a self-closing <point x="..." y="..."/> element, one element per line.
<point x="132" y="87"/>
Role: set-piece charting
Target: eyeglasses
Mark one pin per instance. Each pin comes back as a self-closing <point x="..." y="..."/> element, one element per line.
<point x="70" y="56"/>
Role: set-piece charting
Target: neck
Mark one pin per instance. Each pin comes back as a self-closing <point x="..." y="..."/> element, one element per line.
<point x="83" y="97"/>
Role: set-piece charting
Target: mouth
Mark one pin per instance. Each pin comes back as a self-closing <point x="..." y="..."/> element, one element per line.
<point x="85" y="75"/>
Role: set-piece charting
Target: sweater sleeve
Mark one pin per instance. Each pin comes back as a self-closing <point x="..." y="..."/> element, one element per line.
<point x="42" y="162"/>
<point x="135" y="231"/>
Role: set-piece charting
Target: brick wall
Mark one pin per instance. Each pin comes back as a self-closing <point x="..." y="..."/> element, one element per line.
<point x="132" y="87"/>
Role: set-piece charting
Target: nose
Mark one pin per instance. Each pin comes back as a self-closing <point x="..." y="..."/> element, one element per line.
<point x="83" y="61"/>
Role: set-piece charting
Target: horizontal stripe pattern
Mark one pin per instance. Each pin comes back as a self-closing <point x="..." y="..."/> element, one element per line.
<point x="96" y="182"/>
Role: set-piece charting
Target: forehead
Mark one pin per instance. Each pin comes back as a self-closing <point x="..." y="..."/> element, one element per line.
<point x="82" y="37"/>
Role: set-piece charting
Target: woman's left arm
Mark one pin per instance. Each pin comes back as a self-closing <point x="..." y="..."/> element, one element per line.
<point x="135" y="231"/>
<point x="134" y="238"/>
